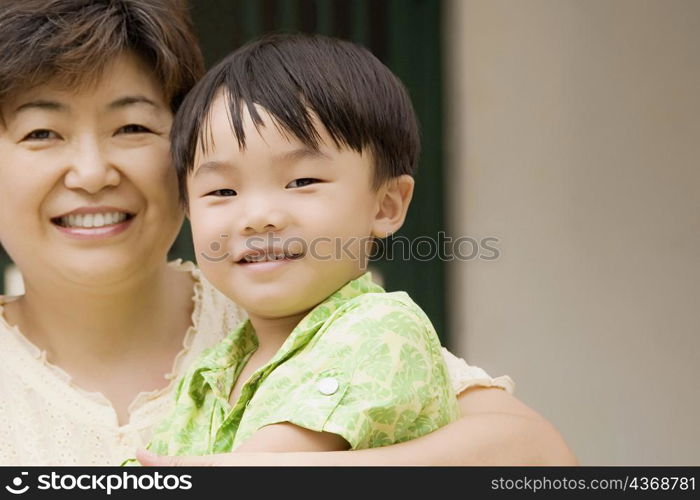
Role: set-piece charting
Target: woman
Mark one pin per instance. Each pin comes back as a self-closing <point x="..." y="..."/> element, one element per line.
<point x="88" y="211"/>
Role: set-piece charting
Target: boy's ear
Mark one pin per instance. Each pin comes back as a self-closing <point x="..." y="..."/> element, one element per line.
<point x="394" y="199"/>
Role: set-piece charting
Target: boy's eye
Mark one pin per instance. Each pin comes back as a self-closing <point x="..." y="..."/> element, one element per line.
<point x="133" y="128"/>
<point x="222" y="192"/>
<point x="41" y="135"/>
<point x="306" y="181"/>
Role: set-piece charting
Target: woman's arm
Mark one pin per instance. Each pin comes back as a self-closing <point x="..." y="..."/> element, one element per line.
<point x="495" y="429"/>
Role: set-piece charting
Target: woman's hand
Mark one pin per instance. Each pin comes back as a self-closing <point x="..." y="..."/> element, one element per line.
<point x="495" y="429"/>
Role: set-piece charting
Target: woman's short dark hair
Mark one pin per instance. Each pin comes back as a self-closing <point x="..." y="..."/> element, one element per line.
<point x="357" y="99"/>
<point x="71" y="41"/>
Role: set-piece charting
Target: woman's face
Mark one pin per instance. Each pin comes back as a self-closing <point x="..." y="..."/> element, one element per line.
<point x="87" y="192"/>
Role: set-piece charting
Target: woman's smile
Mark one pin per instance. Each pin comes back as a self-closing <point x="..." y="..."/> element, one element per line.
<point x="89" y="169"/>
<point x="94" y="222"/>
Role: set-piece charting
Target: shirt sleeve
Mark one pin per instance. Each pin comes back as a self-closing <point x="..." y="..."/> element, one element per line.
<point x="373" y="375"/>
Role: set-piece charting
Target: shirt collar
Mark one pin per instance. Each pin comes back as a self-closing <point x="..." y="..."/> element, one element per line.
<point x="325" y="309"/>
<point x="223" y="358"/>
<point x="314" y="319"/>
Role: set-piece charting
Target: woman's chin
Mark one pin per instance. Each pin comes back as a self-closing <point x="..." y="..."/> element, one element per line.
<point x="97" y="269"/>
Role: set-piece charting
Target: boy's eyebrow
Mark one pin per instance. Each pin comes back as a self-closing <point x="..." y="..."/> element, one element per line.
<point x="210" y="166"/>
<point x="300" y="154"/>
<point x="286" y="157"/>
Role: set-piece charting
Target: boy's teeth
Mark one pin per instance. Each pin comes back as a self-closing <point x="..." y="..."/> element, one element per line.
<point x="93" y="220"/>
<point x="264" y="257"/>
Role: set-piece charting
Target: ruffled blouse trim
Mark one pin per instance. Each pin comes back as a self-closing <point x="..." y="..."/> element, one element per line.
<point x="178" y="362"/>
<point x="465" y="376"/>
<point x="143" y="397"/>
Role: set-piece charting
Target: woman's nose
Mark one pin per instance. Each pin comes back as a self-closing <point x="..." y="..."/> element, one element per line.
<point x="90" y="170"/>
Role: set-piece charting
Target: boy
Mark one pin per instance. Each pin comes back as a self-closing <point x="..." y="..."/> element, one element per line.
<point x="292" y="154"/>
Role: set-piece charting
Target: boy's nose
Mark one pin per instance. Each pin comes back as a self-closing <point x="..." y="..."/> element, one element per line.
<point x="262" y="225"/>
<point x="261" y="217"/>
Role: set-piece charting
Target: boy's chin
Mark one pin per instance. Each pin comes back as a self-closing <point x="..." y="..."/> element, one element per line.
<point x="272" y="306"/>
<point x="277" y="313"/>
<point x="282" y="298"/>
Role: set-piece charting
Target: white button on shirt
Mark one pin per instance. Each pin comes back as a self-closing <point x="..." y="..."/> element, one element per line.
<point x="328" y="386"/>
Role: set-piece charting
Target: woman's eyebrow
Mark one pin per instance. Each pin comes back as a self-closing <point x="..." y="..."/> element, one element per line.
<point x="47" y="105"/>
<point x="130" y="100"/>
<point x="42" y="105"/>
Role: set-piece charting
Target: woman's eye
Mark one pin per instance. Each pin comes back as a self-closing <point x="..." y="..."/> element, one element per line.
<point x="306" y="181"/>
<point x="40" y="135"/>
<point x="222" y="192"/>
<point x="133" y="129"/>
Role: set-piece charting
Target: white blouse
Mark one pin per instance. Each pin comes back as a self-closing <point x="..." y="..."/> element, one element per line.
<point x="45" y="419"/>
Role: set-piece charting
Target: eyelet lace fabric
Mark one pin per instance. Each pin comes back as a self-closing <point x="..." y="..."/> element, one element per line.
<point x="45" y="419"/>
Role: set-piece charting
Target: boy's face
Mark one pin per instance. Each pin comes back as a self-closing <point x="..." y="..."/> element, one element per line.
<point x="312" y="210"/>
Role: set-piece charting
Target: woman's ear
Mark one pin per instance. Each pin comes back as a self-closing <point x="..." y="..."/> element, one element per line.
<point x="394" y="199"/>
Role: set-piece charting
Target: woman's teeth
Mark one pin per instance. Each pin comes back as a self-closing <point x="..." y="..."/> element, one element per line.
<point x="93" y="220"/>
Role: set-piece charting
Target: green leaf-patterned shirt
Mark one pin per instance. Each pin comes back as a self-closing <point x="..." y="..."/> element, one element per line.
<point x="363" y="364"/>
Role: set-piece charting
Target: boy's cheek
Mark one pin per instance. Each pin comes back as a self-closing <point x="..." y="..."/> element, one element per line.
<point x="335" y="249"/>
<point x="211" y="241"/>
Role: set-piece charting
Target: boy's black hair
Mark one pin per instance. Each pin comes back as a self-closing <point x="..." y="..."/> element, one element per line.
<point x="359" y="101"/>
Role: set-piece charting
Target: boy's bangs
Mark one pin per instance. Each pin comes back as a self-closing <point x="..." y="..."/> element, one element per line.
<point x="304" y="82"/>
<point x="302" y="129"/>
<point x="272" y="88"/>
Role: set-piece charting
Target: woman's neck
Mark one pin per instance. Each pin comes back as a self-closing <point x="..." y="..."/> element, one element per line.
<point x="74" y="323"/>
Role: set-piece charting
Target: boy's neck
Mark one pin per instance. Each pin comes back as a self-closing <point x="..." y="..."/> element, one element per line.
<point x="272" y="332"/>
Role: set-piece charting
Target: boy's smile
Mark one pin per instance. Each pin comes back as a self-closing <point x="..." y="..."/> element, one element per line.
<point x="280" y="212"/>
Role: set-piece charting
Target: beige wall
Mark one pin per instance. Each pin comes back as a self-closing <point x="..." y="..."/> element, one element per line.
<point x="574" y="137"/>
<point x="14" y="285"/>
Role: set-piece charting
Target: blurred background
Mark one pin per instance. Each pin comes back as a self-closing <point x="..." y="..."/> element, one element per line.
<point x="567" y="132"/>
